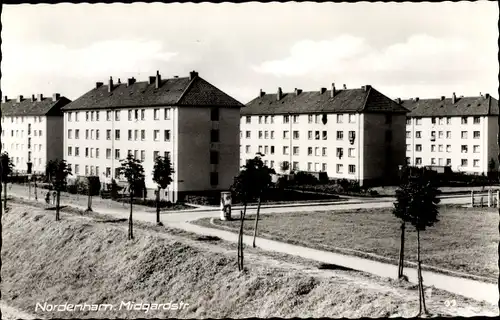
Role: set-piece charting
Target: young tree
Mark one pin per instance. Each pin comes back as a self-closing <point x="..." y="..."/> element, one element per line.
<point x="49" y="169"/>
<point x="284" y="166"/>
<point x="133" y="171"/>
<point x="400" y="210"/>
<point x="162" y="175"/>
<point x="58" y="173"/>
<point x="419" y="200"/>
<point x="7" y="169"/>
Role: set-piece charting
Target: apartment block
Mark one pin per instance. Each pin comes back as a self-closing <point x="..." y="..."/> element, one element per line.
<point x="459" y="132"/>
<point x="357" y="134"/>
<point x="185" y="117"/>
<point x="32" y="130"/>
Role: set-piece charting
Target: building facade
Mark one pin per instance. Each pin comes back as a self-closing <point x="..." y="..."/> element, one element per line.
<point x="356" y="134"/>
<point x="187" y="118"/>
<point x="32" y="131"/>
<point x="459" y="132"/>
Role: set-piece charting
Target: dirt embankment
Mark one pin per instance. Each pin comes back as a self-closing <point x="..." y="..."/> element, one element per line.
<point x="80" y="261"/>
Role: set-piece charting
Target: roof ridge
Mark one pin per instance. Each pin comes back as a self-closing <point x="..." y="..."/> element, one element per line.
<point x="366" y="99"/>
<point x="188" y="87"/>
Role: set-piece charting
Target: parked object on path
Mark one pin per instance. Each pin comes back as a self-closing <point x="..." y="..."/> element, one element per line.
<point x="54" y="196"/>
<point x="47" y="197"/>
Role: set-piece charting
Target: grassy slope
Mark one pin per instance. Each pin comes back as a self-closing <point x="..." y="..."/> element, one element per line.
<point x="79" y="260"/>
<point x="465" y="240"/>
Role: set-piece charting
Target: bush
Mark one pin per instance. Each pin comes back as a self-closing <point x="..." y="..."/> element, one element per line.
<point x="302" y="178"/>
<point x="82" y="184"/>
<point x="203" y="200"/>
<point x="323" y="177"/>
<point x="148" y="202"/>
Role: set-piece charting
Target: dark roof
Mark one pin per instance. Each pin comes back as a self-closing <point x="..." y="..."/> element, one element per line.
<point x="348" y="100"/>
<point x="172" y="92"/>
<point x="464" y="106"/>
<point x="46" y="107"/>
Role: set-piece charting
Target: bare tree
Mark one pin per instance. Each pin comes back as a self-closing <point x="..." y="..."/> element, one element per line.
<point x="7" y="169"/>
<point x="58" y="173"/>
<point x="162" y="175"/>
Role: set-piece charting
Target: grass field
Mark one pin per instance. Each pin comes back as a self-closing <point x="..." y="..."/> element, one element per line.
<point x="464" y="240"/>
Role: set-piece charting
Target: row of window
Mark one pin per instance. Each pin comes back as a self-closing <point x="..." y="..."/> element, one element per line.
<point x="316" y="118"/>
<point x="286" y="151"/>
<point x="316" y="168"/>
<point x="20" y="160"/>
<point x="441" y="162"/>
<point x="20" y="133"/>
<point x="441" y="120"/>
<point x="311" y="135"/>
<point x="20" y="146"/>
<point x="463" y="134"/>
<point x="133" y="135"/>
<point x="440" y="148"/>
<point x="17" y="119"/>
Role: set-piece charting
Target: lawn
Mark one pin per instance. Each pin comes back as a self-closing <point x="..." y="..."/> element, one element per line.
<point x="464" y="240"/>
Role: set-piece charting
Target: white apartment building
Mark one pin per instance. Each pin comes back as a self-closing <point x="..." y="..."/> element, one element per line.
<point x="357" y="134"/>
<point x="32" y="131"/>
<point x="188" y="118"/>
<point x="459" y="132"/>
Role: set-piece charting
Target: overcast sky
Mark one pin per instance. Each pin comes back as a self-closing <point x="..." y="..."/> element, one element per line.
<point x="404" y="50"/>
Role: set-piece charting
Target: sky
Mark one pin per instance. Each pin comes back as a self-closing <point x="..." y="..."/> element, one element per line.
<point x="404" y="50"/>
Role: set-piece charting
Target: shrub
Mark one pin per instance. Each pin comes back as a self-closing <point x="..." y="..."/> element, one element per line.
<point x="323" y="177"/>
<point x="147" y="202"/>
<point x="302" y="178"/>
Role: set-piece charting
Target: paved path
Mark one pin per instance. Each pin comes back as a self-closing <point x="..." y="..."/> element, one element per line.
<point x="181" y="219"/>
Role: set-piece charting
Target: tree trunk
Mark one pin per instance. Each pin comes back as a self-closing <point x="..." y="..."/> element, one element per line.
<point x="89" y="199"/>
<point x="256" y="221"/>
<point x="158" y="206"/>
<point x="422" y="308"/>
<point x="401" y="252"/>
<point x="240" y="238"/>
<point x="130" y="226"/>
<point x="36" y="196"/>
<point x="5" y="196"/>
<point x="57" y="205"/>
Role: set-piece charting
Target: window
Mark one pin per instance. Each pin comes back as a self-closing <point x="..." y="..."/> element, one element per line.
<point x="91" y="152"/>
<point x="316" y="118"/>
<point x="309" y="166"/>
<point x="295" y="151"/>
<point x="77" y="151"/>
<point x="97" y="116"/>
<point x="448" y="134"/>
<point x="477" y="120"/>
<point x="136" y="135"/>
<point x="248" y="119"/>
<point x="260" y="119"/>
<point x="136" y="154"/>
<point x="418" y="121"/>
<point x="285" y="134"/>
<point x="77" y="133"/>
<point x="464" y="120"/>
<point x="440" y="148"/>
<point x="214" y="157"/>
<point x="92" y="134"/>
<point x="418" y="147"/>
<point x="70" y="151"/>
<point x="117" y="115"/>
<point x="97" y="134"/>
<point x="214" y="178"/>
<point x="475" y="149"/>
<point x="433" y="161"/>
<point x="117" y="134"/>
<point x="69" y="116"/>
<point x="352" y="119"/>
<point x="316" y="151"/>
<point x="86" y="152"/>
<point x="266" y="119"/>
<point x="86" y="134"/>
<point x="433" y="120"/>
<point x="166" y="134"/>
<point x="248" y="134"/>
<point x="464" y="163"/>
<point x="325" y="135"/>
<point x="108" y="172"/>
<point x="97" y="152"/>
<point x="272" y="149"/>
<point x="408" y="147"/>
<point x="260" y="149"/>
<point x="464" y="134"/>
<point x="214" y="135"/>
<point x="143" y="114"/>
<point x="143" y="155"/>
<point x="166" y="113"/>
<point x="156" y="135"/>
<point x="295" y="166"/>
<point x="340" y="168"/>
<point x="286" y="119"/>
<point x="309" y="118"/>
<point x="408" y="134"/>
<point x="418" y="161"/>
<point x="295" y="118"/>
<point x="323" y="153"/>
<point x="340" y="135"/>
<point x="260" y="134"/>
<point x="108" y="116"/>
<point x="448" y="148"/>
<point x="285" y="150"/>
<point x="87" y="116"/>
<point x="388" y="119"/>
<point x="440" y="161"/>
<point x="440" y="134"/>
<point x="475" y="163"/>
<point x="316" y="135"/>
<point x="448" y="120"/>
<point x="266" y="149"/>
<point x="295" y="135"/>
<point x="70" y="134"/>
<point x="464" y="149"/>
<point x="350" y="153"/>
<point x="309" y="151"/>
<point x="117" y="173"/>
<point x="156" y="114"/>
<point x="339" y="118"/>
<point x="108" y="134"/>
<point x="271" y="164"/>
<point x="441" y="121"/>
<point x="77" y="169"/>
<point x="117" y="153"/>
<point x="266" y="134"/>
<point x="129" y="135"/>
<point x="448" y="162"/>
<point x="340" y="153"/>
<point x="433" y="134"/>
<point x="272" y="134"/>
<point x="247" y="149"/>
<point x="433" y="148"/>
<point x="272" y="119"/>
<point x="130" y="115"/>
<point x="76" y="116"/>
<point x="143" y="135"/>
<point x="352" y="169"/>
<point x="418" y="134"/>
<point x="323" y="167"/>
<point x="476" y="134"/>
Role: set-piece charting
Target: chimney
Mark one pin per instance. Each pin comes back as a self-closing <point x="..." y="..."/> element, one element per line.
<point x="193" y="74"/>
<point x="368" y="87"/>
<point x="98" y="84"/>
<point x="33" y="98"/>
<point x="280" y="94"/>
<point x="322" y="90"/>
<point x="416" y="99"/>
<point x="5" y="99"/>
<point x="345" y="87"/>
<point x="398" y="100"/>
<point x="176" y="77"/>
<point x="333" y="92"/>
<point x="130" y="81"/>
<point x="486" y="95"/>
<point x="298" y="91"/>
<point x="19" y="98"/>
<point x="261" y="93"/>
<point x="39" y="97"/>
<point x="151" y="80"/>
<point x="110" y="84"/>
<point x="442" y="98"/>
<point x="453" y="98"/>
<point x="56" y="96"/>
<point x="119" y="81"/>
<point x="158" y="79"/>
